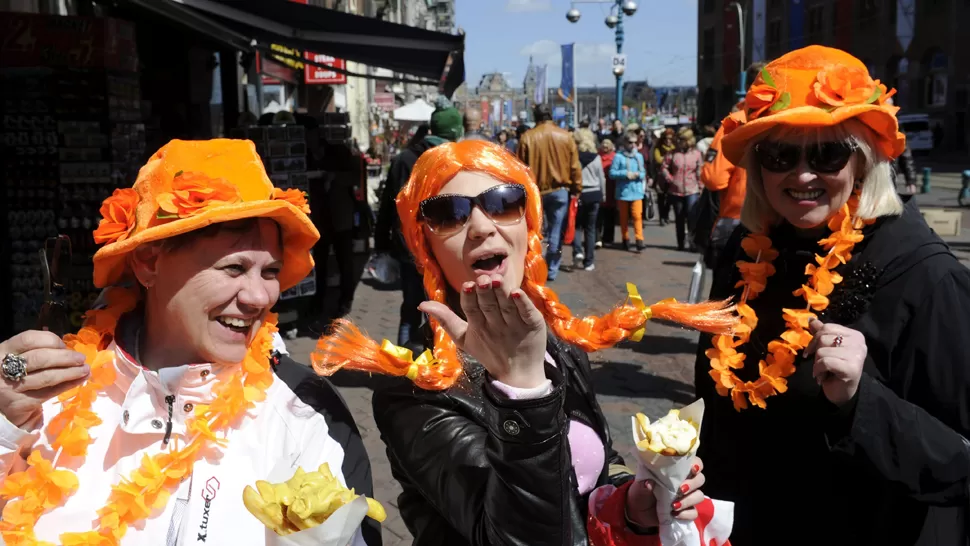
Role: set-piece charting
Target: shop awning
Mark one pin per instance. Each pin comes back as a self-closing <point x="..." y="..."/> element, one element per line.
<point x="414" y="51"/>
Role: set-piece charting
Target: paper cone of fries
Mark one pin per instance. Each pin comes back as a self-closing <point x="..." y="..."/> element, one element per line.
<point x="665" y="453"/>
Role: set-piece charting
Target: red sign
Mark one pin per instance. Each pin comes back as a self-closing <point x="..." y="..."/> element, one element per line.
<point x="273" y="72"/>
<point x="485" y="111"/>
<point x="319" y="75"/>
<point x="385" y="101"/>
<point x="30" y="40"/>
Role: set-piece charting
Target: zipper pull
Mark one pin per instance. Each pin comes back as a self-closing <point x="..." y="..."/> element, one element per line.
<point x="170" y="400"/>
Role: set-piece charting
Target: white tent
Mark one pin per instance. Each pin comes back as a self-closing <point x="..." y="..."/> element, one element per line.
<point x="415" y="111"/>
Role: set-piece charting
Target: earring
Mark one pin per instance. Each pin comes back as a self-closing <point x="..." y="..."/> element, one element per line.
<point x="858" y="185"/>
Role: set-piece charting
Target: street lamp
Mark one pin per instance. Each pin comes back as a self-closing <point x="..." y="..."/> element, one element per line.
<point x="742" y="84"/>
<point x="618" y="8"/>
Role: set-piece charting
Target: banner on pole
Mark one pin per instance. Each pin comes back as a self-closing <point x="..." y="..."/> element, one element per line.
<point x="566" y="85"/>
<point x="540" y="94"/>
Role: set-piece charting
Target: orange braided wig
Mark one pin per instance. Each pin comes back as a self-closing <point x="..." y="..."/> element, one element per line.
<point x="349" y="348"/>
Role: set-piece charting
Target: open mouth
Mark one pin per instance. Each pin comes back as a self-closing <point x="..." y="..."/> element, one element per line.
<point x="808" y="195"/>
<point x="237" y="325"/>
<point x="490" y="263"/>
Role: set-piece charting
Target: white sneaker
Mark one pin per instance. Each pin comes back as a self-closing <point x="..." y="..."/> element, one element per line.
<point x="578" y="259"/>
<point x="589" y="267"/>
<point x="599" y="244"/>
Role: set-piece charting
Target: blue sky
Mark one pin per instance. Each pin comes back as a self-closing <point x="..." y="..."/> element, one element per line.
<point x="660" y="40"/>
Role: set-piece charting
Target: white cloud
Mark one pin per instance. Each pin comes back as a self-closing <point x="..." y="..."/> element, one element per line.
<point x="528" y="5"/>
<point x="593" y="61"/>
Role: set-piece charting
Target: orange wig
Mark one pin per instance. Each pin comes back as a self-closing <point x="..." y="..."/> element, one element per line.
<point x="348" y="348"/>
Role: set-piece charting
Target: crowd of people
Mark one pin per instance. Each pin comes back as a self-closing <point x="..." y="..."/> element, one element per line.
<point x="831" y="362"/>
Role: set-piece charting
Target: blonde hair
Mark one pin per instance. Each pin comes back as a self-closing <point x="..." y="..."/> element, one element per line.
<point x="349" y="348"/>
<point x="878" y="195"/>
<point x="608" y="145"/>
<point x="687" y="136"/>
<point x="585" y="140"/>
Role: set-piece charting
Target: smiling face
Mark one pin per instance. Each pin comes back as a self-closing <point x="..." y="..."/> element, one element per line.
<point x="804" y="197"/>
<point x="207" y="296"/>
<point x="481" y="247"/>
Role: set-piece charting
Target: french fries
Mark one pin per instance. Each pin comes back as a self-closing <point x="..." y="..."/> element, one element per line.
<point x="304" y="501"/>
<point x="670" y="435"/>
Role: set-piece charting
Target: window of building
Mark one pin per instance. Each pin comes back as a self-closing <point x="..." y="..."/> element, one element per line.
<point x="708" y="49"/>
<point x="774" y="38"/>
<point x="816" y="26"/>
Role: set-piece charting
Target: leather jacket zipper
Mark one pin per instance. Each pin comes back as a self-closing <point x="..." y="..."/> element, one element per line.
<point x="170" y="400"/>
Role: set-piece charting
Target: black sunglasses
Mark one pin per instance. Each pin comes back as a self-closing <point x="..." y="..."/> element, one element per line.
<point x="822" y="157"/>
<point x="447" y="213"/>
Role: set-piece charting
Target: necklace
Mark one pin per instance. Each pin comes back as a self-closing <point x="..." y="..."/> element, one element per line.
<point x="43" y="486"/>
<point x="779" y="363"/>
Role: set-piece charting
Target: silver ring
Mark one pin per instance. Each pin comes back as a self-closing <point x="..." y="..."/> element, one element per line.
<point x="838" y="341"/>
<point x="14" y="367"/>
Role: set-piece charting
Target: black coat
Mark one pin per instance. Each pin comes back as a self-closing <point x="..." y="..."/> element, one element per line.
<point x="479" y="469"/>
<point x="387" y="233"/>
<point x="891" y="467"/>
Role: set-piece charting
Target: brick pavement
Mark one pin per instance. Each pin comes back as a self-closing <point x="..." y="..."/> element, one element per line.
<point x="649" y="376"/>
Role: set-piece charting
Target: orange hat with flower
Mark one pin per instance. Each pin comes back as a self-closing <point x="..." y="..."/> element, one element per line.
<point x="188" y="185"/>
<point x="814" y="86"/>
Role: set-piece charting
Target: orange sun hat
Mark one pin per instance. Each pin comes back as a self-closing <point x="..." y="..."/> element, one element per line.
<point x="188" y="185"/>
<point x="814" y="86"/>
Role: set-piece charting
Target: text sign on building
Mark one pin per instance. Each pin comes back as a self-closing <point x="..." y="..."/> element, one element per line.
<point x="319" y="75"/>
<point x="619" y="60"/>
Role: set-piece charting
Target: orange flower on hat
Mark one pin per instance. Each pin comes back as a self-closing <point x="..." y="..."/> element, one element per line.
<point x="118" y="216"/>
<point x="765" y="96"/>
<point x="842" y="85"/>
<point x="735" y="120"/>
<point x="294" y="197"/>
<point x="193" y="192"/>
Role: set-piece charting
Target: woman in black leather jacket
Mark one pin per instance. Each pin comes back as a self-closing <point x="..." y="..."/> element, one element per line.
<point x="511" y="451"/>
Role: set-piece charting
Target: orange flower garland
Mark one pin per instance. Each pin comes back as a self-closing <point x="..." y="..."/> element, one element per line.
<point x="42" y="486"/>
<point x="780" y="360"/>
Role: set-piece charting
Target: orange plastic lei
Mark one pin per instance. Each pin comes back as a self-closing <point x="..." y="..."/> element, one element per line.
<point x="42" y="486"/>
<point x="780" y="360"/>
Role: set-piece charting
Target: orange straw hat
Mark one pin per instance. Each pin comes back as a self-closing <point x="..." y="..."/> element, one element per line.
<point x="188" y="185"/>
<point x="814" y="86"/>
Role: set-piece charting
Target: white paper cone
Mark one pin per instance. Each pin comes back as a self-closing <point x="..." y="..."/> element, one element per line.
<point x="338" y="530"/>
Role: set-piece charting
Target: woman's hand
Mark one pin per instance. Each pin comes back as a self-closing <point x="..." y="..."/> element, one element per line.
<point x="504" y="330"/>
<point x="641" y="504"/>
<point x="840" y="354"/>
<point x="51" y="370"/>
<point x="630" y="175"/>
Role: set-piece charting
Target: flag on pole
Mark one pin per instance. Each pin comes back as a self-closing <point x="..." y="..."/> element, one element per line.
<point x="540" y="94"/>
<point x="566" y="86"/>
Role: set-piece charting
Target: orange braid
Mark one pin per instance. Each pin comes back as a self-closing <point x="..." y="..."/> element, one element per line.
<point x="348" y="348"/>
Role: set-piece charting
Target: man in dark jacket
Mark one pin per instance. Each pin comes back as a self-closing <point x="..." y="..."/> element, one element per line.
<point x="445" y="126"/>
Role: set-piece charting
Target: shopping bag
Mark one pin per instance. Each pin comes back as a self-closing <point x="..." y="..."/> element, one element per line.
<point x="571" y="222"/>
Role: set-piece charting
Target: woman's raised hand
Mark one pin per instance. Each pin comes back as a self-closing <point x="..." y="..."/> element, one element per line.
<point x="52" y="368"/>
<point x="504" y="331"/>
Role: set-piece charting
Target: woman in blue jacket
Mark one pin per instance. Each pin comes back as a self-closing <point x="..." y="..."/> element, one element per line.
<point x="630" y="174"/>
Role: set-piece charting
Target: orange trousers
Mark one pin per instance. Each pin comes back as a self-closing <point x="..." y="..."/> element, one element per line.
<point x="626" y="208"/>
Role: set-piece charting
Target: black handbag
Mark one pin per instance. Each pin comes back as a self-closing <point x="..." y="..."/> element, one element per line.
<point x="649" y="209"/>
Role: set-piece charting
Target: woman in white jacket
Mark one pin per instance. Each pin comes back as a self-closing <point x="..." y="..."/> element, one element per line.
<point x="594" y="193"/>
<point x="145" y="427"/>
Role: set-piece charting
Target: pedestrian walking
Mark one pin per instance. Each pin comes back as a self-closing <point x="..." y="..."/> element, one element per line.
<point x="617" y="133"/>
<point x="606" y="223"/>
<point x="629" y="173"/>
<point x="855" y="346"/>
<point x="665" y="146"/>
<point x="594" y="190"/>
<point x="473" y="124"/>
<point x="681" y="173"/>
<point x="499" y="439"/>
<point x="445" y="126"/>
<point x="552" y="155"/>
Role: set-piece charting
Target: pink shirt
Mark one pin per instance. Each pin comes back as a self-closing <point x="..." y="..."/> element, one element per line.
<point x="682" y="171"/>
<point x="588" y="451"/>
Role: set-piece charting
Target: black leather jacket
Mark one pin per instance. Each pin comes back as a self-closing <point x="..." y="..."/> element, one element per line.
<point x="480" y="469"/>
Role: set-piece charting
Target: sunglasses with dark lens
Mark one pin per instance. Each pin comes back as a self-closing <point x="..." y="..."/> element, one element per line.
<point x="447" y="213"/>
<point x="822" y="157"/>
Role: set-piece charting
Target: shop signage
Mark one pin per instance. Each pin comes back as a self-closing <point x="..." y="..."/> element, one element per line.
<point x="319" y="75"/>
<point x="30" y="40"/>
<point x="385" y="101"/>
<point x="273" y="72"/>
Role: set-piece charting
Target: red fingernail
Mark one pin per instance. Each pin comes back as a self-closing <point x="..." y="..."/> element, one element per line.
<point x="516" y="295"/>
<point x="684" y="488"/>
<point x="676" y="506"/>
<point x="483" y="286"/>
<point x="696" y="468"/>
<point x="467" y="289"/>
<point x="496" y="284"/>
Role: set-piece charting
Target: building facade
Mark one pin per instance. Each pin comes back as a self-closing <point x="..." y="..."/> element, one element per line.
<point x="914" y="46"/>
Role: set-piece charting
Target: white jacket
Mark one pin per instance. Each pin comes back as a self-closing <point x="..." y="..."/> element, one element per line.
<point x="303" y="422"/>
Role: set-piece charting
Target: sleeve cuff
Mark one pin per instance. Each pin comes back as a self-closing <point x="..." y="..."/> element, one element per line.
<point x="11" y="436"/>
<point x="528" y="420"/>
<point x="840" y="419"/>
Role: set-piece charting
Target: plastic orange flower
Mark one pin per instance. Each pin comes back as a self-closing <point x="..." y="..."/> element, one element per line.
<point x="118" y="216"/>
<point x="194" y="192"/>
<point x="735" y="120"/>
<point x="294" y="197"/>
<point x="760" y="98"/>
<point x="843" y="85"/>
<point x="758" y="247"/>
